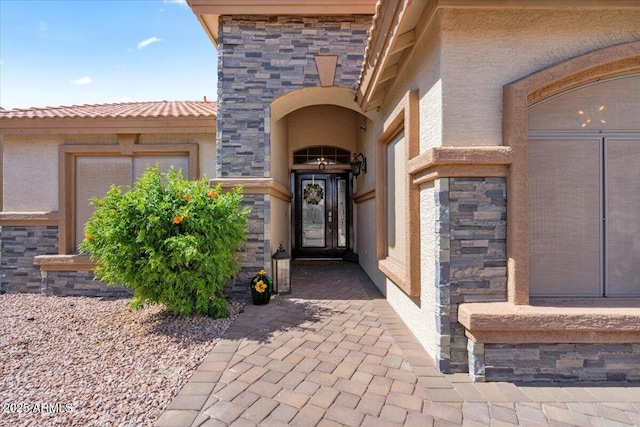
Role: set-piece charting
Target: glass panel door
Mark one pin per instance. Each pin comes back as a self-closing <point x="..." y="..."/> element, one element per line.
<point x="314" y="228"/>
<point x="322" y="215"/>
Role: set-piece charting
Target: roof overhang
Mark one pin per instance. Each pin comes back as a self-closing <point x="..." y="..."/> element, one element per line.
<point x="393" y="35"/>
<point x="208" y="11"/>
<point x="398" y="25"/>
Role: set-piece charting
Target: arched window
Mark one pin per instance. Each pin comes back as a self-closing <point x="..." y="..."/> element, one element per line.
<point x="584" y="191"/>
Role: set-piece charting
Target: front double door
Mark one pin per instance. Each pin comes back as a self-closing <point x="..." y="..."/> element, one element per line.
<point x="322" y="215"/>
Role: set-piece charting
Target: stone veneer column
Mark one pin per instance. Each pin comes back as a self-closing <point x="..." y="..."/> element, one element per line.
<point x="260" y="59"/>
<point x="471" y="234"/>
<point x="442" y="279"/>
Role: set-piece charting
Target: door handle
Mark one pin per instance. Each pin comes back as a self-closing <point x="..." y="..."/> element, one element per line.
<point x="330" y="218"/>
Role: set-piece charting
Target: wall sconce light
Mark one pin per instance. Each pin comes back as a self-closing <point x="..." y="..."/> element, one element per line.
<point x="358" y="164"/>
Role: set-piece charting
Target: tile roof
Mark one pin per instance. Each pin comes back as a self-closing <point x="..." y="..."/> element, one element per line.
<point x="119" y="110"/>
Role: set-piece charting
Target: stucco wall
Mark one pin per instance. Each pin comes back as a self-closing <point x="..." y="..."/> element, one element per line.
<point x="422" y="316"/>
<point x="30" y="175"/>
<point x="365" y="213"/>
<point x="206" y="147"/>
<point x="30" y="172"/>
<point x="278" y="151"/>
<point x="423" y="72"/>
<point x="280" y="225"/>
<point x="322" y="125"/>
<point x="483" y="50"/>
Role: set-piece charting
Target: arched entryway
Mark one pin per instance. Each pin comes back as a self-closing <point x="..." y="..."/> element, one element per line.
<point x="313" y="135"/>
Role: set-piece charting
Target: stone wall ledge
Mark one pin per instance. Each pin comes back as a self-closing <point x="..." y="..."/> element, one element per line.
<point x="583" y="321"/>
<point x="251" y="185"/>
<point x="28" y="219"/>
<point x="64" y="262"/>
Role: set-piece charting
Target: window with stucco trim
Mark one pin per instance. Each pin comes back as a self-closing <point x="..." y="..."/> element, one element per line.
<point x="584" y="191"/>
<point x="87" y="171"/>
<point x="96" y="174"/>
<point x="397" y="214"/>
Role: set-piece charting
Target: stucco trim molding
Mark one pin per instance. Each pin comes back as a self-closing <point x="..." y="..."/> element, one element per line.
<point x="404" y="273"/>
<point x="64" y="263"/>
<point x="28" y="219"/>
<point x="264" y="186"/>
<point x="505" y="323"/>
<point x="517" y="98"/>
<point x="456" y="162"/>
<point x="364" y="195"/>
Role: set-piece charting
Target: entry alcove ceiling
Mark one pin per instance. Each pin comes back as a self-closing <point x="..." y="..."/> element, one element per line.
<point x="208" y="11"/>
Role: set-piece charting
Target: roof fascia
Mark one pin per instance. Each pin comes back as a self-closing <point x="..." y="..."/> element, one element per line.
<point x="208" y="11"/>
<point x="282" y="7"/>
<point x="49" y="126"/>
<point x="540" y="4"/>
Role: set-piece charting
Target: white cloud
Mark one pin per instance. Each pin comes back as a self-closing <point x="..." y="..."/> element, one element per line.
<point x="182" y="2"/>
<point x="147" y="42"/>
<point x="82" y="81"/>
<point x="124" y="99"/>
<point x="1" y="62"/>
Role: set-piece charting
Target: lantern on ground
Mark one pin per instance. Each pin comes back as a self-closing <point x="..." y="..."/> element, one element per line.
<point x="281" y="267"/>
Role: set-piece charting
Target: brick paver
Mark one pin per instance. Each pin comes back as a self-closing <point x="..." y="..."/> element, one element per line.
<point x="334" y="353"/>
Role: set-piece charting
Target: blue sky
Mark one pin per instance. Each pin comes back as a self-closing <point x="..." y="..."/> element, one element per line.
<point x="78" y="52"/>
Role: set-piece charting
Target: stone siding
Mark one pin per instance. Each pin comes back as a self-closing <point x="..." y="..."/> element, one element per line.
<point x="562" y="362"/>
<point x="477" y="252"/>
<point x="264" y="57"/>
<point x="79" y="283"/>
<point x="19" y="274"/>
<point x="442" y="272"/>
<point x="18" y="247"/>
<point x="261" y="58"/>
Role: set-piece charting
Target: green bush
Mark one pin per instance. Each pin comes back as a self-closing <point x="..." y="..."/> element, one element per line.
<point x="171" y="240"/>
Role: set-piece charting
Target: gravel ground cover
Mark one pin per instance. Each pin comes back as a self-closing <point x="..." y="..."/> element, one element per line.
<point x="94" y="362"/>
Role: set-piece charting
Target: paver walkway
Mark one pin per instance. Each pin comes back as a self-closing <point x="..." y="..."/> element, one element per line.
<point x="334" y="353"/>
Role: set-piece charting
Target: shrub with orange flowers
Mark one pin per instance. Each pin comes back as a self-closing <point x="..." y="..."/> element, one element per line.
<point x="169" y="240"/>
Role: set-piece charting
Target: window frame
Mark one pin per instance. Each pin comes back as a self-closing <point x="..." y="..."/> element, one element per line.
<point x="404" y="118"/>
<point x="127" y="147"/>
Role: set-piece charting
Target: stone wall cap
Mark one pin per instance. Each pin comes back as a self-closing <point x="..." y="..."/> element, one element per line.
<point x="586" y="316"/>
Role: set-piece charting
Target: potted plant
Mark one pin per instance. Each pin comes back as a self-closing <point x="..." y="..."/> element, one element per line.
<point x="261" y="288"/>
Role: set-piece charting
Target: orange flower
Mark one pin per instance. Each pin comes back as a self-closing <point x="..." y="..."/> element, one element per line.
<point x="177" y="219"/>
<point x="88" y="236"/>
<point x="186" y="197"/>
<point x="212" y="194"/>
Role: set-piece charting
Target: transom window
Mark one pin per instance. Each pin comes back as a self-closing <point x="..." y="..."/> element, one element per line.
<point x="327" y="155"/>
